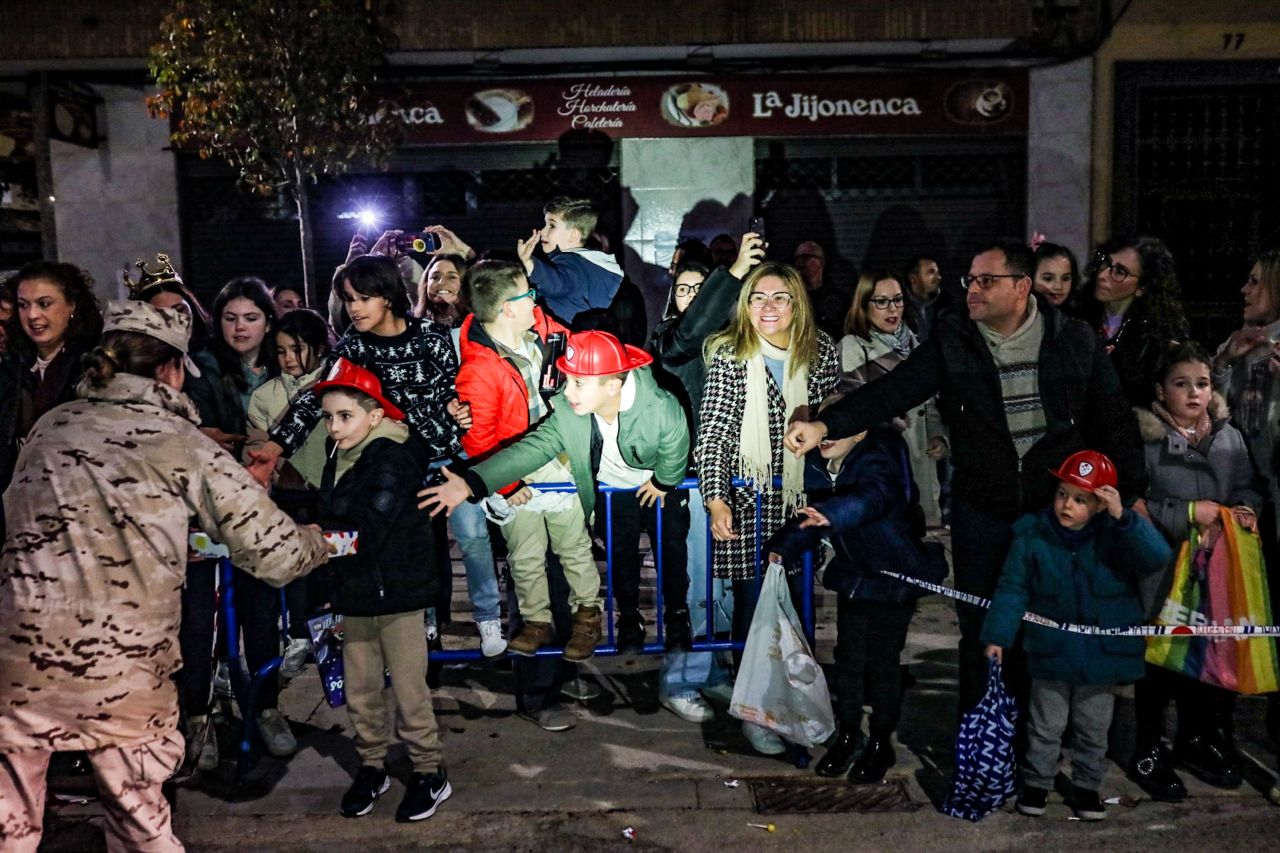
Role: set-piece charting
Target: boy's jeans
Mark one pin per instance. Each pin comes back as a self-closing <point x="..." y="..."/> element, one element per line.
<point x="1089" y="708"/>
<point x="472" y="533"/>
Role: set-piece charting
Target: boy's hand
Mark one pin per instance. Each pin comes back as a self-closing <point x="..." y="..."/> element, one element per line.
<point x="460" y="412"/>
<point x="649" y="494"/>
<point x="524" y="248"/>
<point x="520" y="496"/>
<point x="750" y="253"/>
<point x="448" y="496"/>
<point x="803" y="436"/>
<point x="813" y="518"/>
<point x="1245" y="517"/>
<point x="1110" y="500"/>
<point x="721" y="520"/>
<point x="995" y="652"/>
<point x="449" y="243"/>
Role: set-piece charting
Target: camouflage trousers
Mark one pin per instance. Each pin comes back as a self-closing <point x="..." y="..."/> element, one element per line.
<point x="129" y="780"/>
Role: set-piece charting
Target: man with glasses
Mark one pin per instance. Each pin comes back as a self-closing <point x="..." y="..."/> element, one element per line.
<point x="1021" y="387"/>
<point x="830" y="302"/>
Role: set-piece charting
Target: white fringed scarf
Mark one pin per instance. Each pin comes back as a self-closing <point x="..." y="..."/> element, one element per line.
<point x="755" y="450"/>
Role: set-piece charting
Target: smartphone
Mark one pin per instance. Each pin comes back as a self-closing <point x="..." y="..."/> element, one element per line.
<point x="756" y="226"/>
<point x="424" y="242"/>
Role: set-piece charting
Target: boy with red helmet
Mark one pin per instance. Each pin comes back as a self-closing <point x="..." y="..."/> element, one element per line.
<point x="619" y="429"/>
<point x="1073" y="562"/>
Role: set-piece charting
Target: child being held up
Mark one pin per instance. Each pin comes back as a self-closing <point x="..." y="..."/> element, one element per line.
<point x="1081" y="561"/>
<point x="374" y="468"/>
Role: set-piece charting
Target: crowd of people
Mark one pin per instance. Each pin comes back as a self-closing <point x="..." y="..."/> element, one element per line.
<point x="1061" y="423"/>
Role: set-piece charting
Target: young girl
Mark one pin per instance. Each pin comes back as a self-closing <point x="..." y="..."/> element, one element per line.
<point x="1197" y="463"/>
<point x="1057" y="277"/>
<point x="769" y="367"/>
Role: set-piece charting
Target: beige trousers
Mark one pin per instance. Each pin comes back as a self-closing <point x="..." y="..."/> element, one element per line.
<point x="129" y="780"/>
<point x="395" y="644"/>
<point x="528" y="535"/>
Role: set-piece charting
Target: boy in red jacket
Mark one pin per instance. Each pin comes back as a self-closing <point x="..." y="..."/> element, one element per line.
<point x="503" y="347"/>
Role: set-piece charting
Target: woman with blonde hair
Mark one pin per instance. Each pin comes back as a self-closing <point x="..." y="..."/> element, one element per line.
<point x="877" y="339"/>
<point x="768" y="368"/>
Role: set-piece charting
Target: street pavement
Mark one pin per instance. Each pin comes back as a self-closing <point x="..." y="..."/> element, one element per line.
<point x="630" y="764"/>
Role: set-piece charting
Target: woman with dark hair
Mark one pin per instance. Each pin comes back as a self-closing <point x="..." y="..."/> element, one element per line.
<point x="440" y="294"/>
<point x="90" y="619"/>
<point x="56" y="321"/>
<point x="1057" y="277"/>
<point x="1130" y="295"/>
<point x="877" y="339"/>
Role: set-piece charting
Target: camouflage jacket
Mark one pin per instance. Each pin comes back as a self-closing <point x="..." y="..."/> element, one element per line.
<point x="91" y="574"/>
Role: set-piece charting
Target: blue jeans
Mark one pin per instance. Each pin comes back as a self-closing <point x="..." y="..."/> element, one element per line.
<point x="472" y="533"/>
<point x="683" y="673"/>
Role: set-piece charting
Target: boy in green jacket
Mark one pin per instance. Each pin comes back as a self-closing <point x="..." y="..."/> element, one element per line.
<point x="619" y="429"/>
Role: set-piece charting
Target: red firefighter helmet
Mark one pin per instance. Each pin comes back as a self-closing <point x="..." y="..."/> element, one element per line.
<point x="595" y="353"/>
<point x="1087" y="469"/>
<point x="345" y="374"/>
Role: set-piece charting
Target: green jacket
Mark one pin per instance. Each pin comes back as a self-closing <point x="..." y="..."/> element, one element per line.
<point x="652" y="434"/>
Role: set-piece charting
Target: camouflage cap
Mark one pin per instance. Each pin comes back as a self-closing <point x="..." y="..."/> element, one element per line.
<point x="171" y="325"/>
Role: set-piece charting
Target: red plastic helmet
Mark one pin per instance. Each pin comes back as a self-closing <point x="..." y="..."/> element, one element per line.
<point x="600" y="354"/>
<point x="1087" y="469"/>
<point x="344" y="374"/>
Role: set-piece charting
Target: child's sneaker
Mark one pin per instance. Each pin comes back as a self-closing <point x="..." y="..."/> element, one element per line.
<point x="1087" y="805"/>
<point x="370" y="783"/>
<point x="492" y="643"/>
<point x="295" y="658"/>
<point x="1032" y="801"/>
<point x="423" y="795"/>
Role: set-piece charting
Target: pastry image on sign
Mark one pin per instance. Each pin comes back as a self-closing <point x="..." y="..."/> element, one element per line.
<point x="499" y="110"/>
<point x="695" y="105"/>
<point x="979" y="102"/>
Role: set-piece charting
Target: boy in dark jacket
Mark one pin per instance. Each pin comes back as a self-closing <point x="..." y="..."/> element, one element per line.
<point x="573" y="279"/>
<point x="863" y="497"/>
<point x="374" y="469"/>
<point x="1074" y="563"/>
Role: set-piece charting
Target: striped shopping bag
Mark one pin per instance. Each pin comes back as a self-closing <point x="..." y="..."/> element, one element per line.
<point x="1223" y="582"/>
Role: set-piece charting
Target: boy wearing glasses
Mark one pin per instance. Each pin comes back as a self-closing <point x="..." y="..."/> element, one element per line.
<point x="504" y="344"/>
<point x="1020" y="387"/>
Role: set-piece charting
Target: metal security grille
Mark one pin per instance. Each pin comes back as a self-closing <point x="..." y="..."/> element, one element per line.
<point x="877" y="203"/>
<point x="790" y="796"/>
<point x="230" y="232"/>
<point x="1197" y="164"/>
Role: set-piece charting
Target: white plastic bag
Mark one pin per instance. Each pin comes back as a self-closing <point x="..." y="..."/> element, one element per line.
<point x="780" y="685"/>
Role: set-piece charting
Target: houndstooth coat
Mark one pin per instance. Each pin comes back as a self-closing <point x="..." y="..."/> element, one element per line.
<point x="724" y="399"/>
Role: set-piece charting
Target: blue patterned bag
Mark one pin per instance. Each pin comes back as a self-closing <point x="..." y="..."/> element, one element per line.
<point x="984" y="774"/>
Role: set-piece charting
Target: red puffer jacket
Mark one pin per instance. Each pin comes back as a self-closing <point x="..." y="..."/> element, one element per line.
<point x="495" y="389"/>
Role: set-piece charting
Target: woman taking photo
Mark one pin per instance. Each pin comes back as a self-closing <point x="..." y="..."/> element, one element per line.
<point x="877" y="339"/>
<point x="769" y="367"/>
<point x="90" y="647"/>
<point x="1131" y="297"/>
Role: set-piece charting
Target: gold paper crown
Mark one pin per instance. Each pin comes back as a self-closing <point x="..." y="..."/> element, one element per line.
<point x="151" y="274"/>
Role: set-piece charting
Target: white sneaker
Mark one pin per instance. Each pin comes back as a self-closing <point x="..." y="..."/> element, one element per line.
<point x="692" y="708"/>
<point x="295" y="658"/>
<point x="580" y="689"/>
<point x="762" y="740"/>
<point x="492" y="642"/>
<point x="275" y="732"/>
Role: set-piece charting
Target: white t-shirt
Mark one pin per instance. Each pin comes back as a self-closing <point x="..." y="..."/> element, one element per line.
<point x="614" y="471"/>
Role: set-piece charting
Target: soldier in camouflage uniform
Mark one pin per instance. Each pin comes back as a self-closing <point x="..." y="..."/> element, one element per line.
<point x="91" y="575"/>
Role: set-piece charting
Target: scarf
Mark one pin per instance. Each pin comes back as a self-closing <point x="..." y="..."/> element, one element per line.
<point x="902" y="341"/>
<point x="1195" y="434"/>
<point x="755" y="449"/>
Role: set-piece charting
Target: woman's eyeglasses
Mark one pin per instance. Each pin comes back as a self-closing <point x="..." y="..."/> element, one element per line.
<point x="687" y="289"/>
<point x="1117" y="271"/>
<point x="883" y="302"/>
<point x="781" y="299"/>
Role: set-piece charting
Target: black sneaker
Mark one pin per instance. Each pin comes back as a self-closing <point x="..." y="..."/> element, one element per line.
<point x="1031" y="801"/>
<point x="1087" y="805"/>
<point x="423" y="795"/>
<point x="630" y="632"/>
<point x="370" y="783"/>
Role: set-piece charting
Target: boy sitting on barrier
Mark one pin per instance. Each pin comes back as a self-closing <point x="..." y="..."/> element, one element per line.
<point x="504" y="343"/>
<point x="374" y="467"/>
<point x="1074" y="563"/>
<point x="621" y="430"/>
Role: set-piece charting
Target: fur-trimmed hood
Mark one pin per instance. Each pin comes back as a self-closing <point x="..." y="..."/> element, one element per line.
<point x="1154" y="429"/>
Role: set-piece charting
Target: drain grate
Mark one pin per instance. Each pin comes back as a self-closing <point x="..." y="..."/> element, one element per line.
<point x="791" y="796"/>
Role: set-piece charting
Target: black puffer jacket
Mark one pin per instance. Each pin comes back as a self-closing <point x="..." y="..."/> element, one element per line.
<point x="676" y="342"/>
<point x="391" y="572"/>
<point x="1083" y="403"/>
